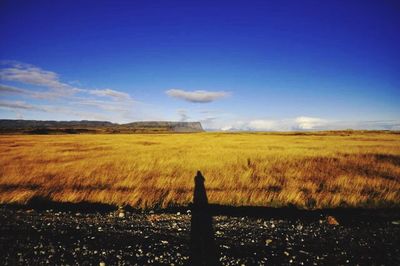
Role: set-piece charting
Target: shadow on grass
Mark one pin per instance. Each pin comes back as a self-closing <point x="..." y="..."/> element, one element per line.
<point x="43" y="203"/>
<point x="344" y="214"/>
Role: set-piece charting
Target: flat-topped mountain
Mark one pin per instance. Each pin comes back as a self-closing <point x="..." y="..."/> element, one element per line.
<point x="170" y="126"/>
<point x="11" y="126"/>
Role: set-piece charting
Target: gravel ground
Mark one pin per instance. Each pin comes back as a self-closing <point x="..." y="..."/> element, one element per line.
<point x="33" y="237"/>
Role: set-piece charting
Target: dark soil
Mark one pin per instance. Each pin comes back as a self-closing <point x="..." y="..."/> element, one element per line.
<point x="61" y="237"/>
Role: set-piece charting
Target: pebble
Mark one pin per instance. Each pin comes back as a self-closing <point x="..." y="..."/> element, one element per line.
<point x="332" y="220"/>
<point x="240" y="240"/>
<point x="299" y="227"/>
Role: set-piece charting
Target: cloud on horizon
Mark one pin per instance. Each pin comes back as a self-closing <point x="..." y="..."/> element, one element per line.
<point x="116" y="105"/>
<point x="304" y="123"/>
<point x="32" y="75"/>
<point x="20" y="105"/>
<point x="11" y="90"/>
<point x="29" y="91"/>
<point x="198" y="96"/>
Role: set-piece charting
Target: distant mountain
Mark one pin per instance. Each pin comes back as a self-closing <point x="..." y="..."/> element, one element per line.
<point x="10" y="126"/>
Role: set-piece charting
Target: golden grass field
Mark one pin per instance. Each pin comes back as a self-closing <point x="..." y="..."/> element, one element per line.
<point x="312" y="170"/>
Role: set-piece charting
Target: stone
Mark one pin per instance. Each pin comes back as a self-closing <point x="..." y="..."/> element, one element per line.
<point x="299" y="227"/>
<point x="331" y="220"/>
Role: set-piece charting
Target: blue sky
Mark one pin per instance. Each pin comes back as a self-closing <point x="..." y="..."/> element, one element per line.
<point x="257" y="65"/>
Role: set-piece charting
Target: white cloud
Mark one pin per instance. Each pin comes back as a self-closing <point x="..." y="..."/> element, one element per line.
<point x="20" y="105"/>
<point x="308" y="123"/>
<point x="198" y="96"/>
<point x="256" y="125"/>
<point x="262" y="125"/>
<point x="117" y="95"/>
<point x="33" y="75"/>
<point x="115" y="105"/>
<point x="29" y="74"/>
<point x="5" y="89"/>
<point x="363" y="124"/>
<point x="227" y="128"/>
<point x="105" y="105"/>
<point x="11" y="90"/>
<point x="303" y="123"/>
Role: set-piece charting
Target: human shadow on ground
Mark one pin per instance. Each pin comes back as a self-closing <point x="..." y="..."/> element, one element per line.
<point x="202" y="243"/>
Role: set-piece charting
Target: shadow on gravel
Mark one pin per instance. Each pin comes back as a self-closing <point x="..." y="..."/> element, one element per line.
<point x="343" y="215"/>
<point x="202" y="243"/>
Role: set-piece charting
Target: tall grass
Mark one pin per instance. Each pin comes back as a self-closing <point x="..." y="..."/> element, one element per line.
<point x="157" y="170"/>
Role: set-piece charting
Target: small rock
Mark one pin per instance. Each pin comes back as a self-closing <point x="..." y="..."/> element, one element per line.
<point x="268" y="241"/>
<point x="121" y="215"/>
<point x="102" y="263"/>
<point x="331" y="220"/>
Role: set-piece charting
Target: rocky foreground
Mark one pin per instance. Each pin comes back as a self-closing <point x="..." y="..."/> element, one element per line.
<point x="32" y="237"/>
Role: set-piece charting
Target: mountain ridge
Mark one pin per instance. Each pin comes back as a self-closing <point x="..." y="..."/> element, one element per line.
<point x="20" y="126"/>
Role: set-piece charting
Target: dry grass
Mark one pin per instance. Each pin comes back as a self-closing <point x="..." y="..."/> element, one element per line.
<point x="259" y="169"/>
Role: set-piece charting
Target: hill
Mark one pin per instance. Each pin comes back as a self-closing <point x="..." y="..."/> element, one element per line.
<point x="10" y="126"/>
